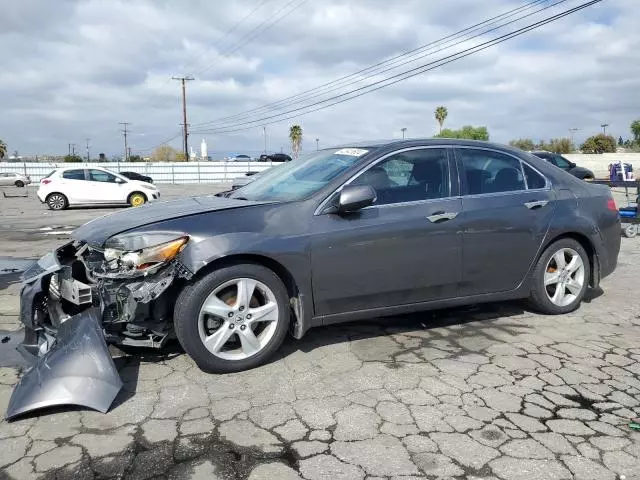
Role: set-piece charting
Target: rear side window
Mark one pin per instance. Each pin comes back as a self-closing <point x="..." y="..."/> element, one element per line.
<point x="73" y="174"/>
<point x="486" y="171"/>
<point x="534" y="179"/>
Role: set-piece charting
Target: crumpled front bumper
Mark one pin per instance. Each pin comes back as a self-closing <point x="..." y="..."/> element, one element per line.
<point x="74" y="367"/>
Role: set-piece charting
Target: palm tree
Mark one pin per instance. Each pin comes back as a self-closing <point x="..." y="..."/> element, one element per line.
<point x="3" y="149"/>
<point x="441" y="115"/>
<point x="295" y="135"/>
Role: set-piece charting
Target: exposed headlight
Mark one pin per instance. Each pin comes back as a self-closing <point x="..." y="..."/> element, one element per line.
<point x="120" y="254"/>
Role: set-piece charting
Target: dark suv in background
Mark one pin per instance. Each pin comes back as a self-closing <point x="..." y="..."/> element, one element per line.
<point x="275" y="157"/>
<point x="561" y="162"/>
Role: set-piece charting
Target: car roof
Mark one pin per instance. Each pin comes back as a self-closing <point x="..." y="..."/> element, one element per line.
<point x="411" y="142"/>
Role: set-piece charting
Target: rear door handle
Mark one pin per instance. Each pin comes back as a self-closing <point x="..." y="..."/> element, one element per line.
<point x="442" y="216"/>
<point x="536" y="204"/>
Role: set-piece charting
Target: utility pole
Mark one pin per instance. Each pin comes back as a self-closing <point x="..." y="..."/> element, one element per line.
<point x="73" y="149"/>
<point x="264" y="131"/>
<point x="404" y="129"/>
<point x="88" y="156"/>
<point x="126" y="148"/>
<point x="183" y="81"/>
<point x="572" y="132"/>
<point x="129" y="152"/>
<point x="604" y="128"/>
<point x="69" y="149"/>
<point x="317" y="144"/>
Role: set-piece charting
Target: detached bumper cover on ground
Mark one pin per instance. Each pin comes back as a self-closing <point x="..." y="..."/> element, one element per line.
<point x="77" y="370"/>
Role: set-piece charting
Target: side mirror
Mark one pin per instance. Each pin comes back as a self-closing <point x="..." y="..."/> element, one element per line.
<point x="356" y="197"/>
<point x="572" y="165"/>
<point x="120" y="181"/>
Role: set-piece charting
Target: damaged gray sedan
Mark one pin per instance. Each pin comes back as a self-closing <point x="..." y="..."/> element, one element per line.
<point x="343" y="234"/>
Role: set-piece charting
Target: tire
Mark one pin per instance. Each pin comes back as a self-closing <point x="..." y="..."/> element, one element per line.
<point x="19" y="183"/>
<point x="137" y="199"/>
<point x="574" y="284"/>
<point x="193" y="326"/>
<point x="630" y="231"/>
<point x="56" y="201"/>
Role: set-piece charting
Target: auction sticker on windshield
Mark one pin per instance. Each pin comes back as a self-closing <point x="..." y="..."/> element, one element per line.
<point x="354" y="152"/>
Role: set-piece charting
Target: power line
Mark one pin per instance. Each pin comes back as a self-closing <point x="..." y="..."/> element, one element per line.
<point x="257" y="30"/>
<point x="372" y="68"/>
<point x="407" y="74"/>
<point x="228" y="32"/>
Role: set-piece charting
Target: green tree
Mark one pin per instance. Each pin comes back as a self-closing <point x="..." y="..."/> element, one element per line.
<point x="164" y="153"/>
<point x="3" y="149"/>
<point x="620" y="141"/>
<point x="600" y="143"/>
<point x="73" y="159"/>
<point x="467" y="132"/>
<point x="102" y="157"/>
<point x="181" y="157"/>
<point x="295" y="135"/>
<point x="525" y="144"/>
<point x="635" y="129"/>
<point x="135" y="158"/>
<point x="441" y="115"/>
<point x="557" y="145"/>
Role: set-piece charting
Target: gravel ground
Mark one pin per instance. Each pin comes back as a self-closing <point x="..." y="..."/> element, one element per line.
<point x="488" y="392"/>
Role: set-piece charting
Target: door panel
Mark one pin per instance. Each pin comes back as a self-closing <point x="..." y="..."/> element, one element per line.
<point x="385" y="256"/>
<point x="105" y="187"/>
<point x="391" y="253"/>
<point x="503" y="226"/>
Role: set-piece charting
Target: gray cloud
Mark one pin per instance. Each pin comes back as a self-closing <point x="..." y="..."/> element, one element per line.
<point x="74" y="69"/>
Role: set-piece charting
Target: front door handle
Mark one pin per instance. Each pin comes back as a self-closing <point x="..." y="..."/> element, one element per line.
<point x="442" y="216"/>
<point x="536" y="204"/>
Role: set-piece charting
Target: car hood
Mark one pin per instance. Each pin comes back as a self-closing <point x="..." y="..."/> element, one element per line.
<point x="97" y="231"/>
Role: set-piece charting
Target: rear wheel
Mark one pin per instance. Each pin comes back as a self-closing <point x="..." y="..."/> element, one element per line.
<point x="57" y="201"/>
<point x="137" y="199"/>
<point x="560" y="278"/>
<point x="233" y="319"/>
<point x="630" y="230"/>
<point x="19" y="183"/>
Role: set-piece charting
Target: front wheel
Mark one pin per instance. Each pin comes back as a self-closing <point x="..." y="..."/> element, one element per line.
<point x="233" y="319"/>
<point x="560" y="278"/>
<point x="137" y="199"/>
<point x="19" y="183"/>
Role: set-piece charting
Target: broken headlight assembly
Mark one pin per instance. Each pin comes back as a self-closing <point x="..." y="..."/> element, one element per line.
<point x="143" y="252"/>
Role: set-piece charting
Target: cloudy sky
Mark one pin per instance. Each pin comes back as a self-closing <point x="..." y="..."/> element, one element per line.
<point x="73" y="69"/>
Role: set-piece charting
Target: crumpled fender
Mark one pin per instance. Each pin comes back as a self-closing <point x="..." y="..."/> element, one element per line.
<point x="77" y="370"/>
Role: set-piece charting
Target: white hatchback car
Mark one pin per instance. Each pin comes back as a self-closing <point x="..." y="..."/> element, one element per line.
<point x="93" y="186"/>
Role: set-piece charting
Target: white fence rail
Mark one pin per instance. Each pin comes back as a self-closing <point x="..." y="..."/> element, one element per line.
<point x="170" y="172"/>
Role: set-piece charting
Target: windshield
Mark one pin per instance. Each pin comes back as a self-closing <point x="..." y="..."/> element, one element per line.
<point x="300" y="178"/>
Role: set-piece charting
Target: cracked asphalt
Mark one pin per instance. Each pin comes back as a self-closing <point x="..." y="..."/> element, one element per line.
<point x="485" y="392"/>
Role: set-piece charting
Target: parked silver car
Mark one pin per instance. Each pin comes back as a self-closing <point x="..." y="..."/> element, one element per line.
<point x="13" y="178"/>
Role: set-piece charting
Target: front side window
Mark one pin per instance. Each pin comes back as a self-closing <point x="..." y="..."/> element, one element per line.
<point x="73" y="174"/>
<point x="486" y="171"/>
<point x="101" y="176"/>
<point x="410" y="176"/>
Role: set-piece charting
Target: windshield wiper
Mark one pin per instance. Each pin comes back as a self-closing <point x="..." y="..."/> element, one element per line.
<point x="241" y="198"/>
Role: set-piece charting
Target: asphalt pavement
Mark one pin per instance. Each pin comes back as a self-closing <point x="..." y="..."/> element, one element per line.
<point x="484" y="392"/>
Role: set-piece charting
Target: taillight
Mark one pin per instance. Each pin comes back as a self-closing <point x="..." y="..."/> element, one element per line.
<point x="611" y="205"/>
<point x="44" y="181"/>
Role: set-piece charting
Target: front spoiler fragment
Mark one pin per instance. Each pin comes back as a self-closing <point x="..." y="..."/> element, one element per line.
<point x="77" y="370"/>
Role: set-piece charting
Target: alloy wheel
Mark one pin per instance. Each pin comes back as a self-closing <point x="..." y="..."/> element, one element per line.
<point x="238" y="319"/>
<point x="56" y="201"/>
<point x="564" y="277"/>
